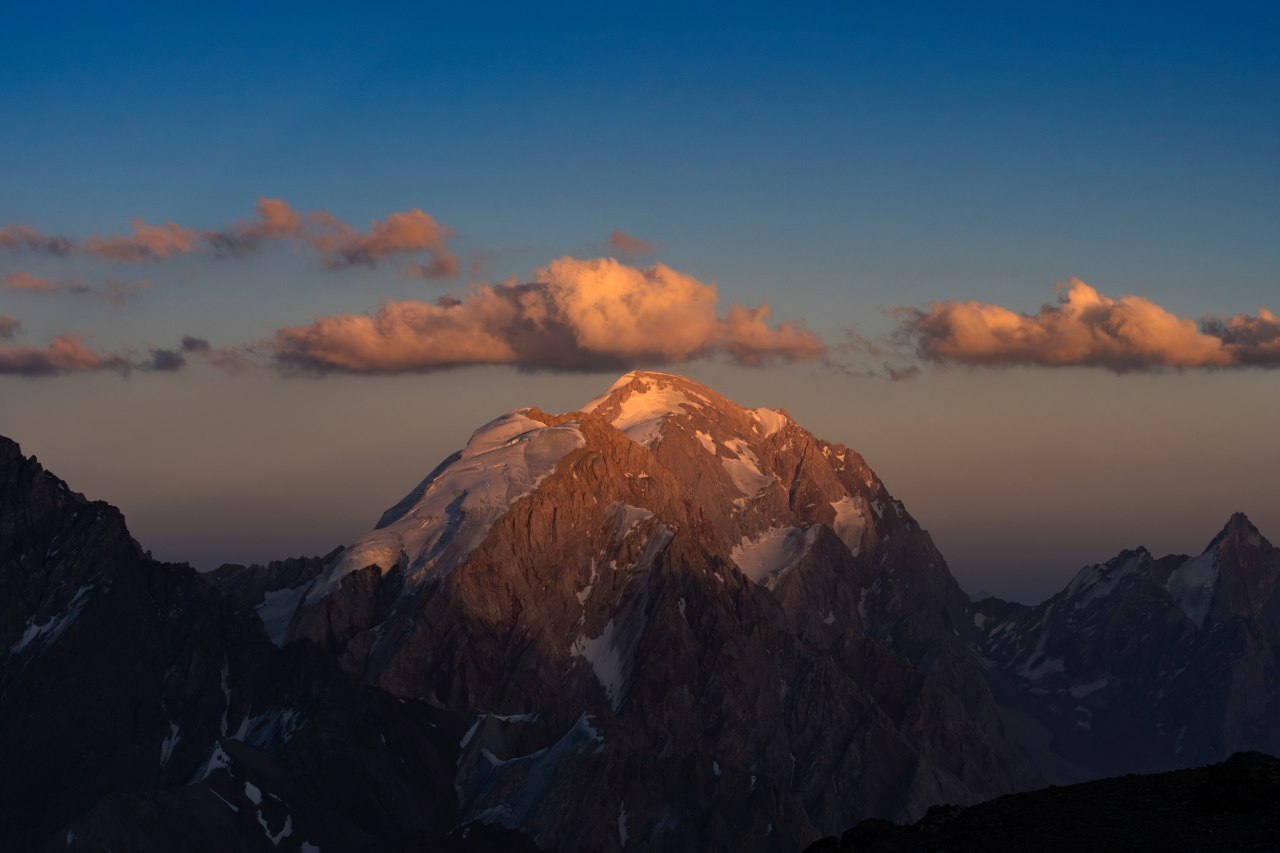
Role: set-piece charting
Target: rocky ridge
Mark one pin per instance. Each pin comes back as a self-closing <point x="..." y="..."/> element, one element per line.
<point x="1142" y="664"/>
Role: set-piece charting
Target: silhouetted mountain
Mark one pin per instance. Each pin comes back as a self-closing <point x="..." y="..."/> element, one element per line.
<point x="1143" y="664"/>
<point x="1233" y="807"/>
<point x="140" y="708"/>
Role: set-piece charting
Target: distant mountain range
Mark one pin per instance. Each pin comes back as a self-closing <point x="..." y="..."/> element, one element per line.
<point x="661" y="622"/>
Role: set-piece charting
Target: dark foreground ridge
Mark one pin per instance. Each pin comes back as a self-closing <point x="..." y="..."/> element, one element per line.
<point x="1232" y="806"/>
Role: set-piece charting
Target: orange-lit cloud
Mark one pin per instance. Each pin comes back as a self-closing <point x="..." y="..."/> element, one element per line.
<point x="399" y="234"/>
<point x="9" y="326"/>
<point x="411" y="235"/>
<point x="63" y="354"/>
<point x="575" y="315"/>
<point x="628" y="246"/>
<point x="1087" y="328"/>
<point x="146" y="243"/>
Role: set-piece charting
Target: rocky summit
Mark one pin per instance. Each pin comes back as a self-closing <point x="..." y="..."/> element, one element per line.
<point x="663" y="621"/>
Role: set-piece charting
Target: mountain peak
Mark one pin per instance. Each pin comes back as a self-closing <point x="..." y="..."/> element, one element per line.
<point x="1237" y="528"/>
<point x="640" y="402"/>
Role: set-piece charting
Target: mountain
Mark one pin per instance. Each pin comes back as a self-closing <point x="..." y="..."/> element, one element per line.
<point x="1232" y="807"/>
<point x="663" y="621"/>
<point x="141" y="708"/>
<point x="1143" y="664"/>
<point x="722" y="625"/>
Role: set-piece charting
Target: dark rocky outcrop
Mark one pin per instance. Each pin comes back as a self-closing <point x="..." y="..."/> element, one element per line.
<point x="1232" y="807"/>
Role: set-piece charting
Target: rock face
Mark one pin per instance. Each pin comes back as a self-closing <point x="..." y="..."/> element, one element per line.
<point x="1231" y="807"/>
<point x="722" y="624"/>
<point x="1143" y="664"/>
<point x="140" y="708"/>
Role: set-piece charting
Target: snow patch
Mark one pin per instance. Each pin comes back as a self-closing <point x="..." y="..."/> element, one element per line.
<point x="277" y="610"/>
<point x="585" y="592"/>
<point x="1192" y="585"/>
<point x="510" y="792"/>
<point x="1095" y="582"/>
<point x="217" y="760"/>
<point x="745" y="469"/>
<point x="643" y="414"/>
<point x="708" y="443"/>
<point x="51" y="630"/>
<point x="167" y="745"/>
<point x="768" y="420"/>
<point x="441" y="521"/>
<point x="771" y="552"/>
<point x="849" y="522"/>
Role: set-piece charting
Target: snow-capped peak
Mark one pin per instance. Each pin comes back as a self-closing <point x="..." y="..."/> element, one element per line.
<point x="640" y="401"/>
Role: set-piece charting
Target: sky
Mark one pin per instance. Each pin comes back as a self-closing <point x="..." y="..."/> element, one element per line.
<point x="262" y="269"/>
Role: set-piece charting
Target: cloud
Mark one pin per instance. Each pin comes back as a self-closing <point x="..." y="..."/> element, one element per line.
<point x="628" y="246"/>
<point x="165" y="361"/>
<point x="113" y="291"/>
<point x="9" y="326"/>
<point x="1087" y="328"/>
<point x="410" y="235"/>
<point x="19" y="280"/>
<point x="233" y="360"/>
<point x="575" y="315"/>
<point x="24" y="237"/>
<point x="63" y="354"/>
<point x="146" y="243"/>
<point x="401" y="233"/>
<point x="901" y="374"/>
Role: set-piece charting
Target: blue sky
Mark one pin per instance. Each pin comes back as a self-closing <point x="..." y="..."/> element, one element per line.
<point x="835" y="161"/>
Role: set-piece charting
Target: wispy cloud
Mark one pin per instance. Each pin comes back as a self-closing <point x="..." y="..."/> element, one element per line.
<point x="574" y="315"/>
<point x="113" y="291"/>
<point x="1087" y="328"/>
<point x="9" y="326"/>
<point x="629" y="247"/>
<point x="233" y="360"/>
<point x="411" y="235"/>
<point x="26" y="238"/>
<point x="30" y="283"/>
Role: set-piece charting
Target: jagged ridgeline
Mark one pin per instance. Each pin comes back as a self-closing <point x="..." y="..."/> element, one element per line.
<point x="661" y="622"/>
